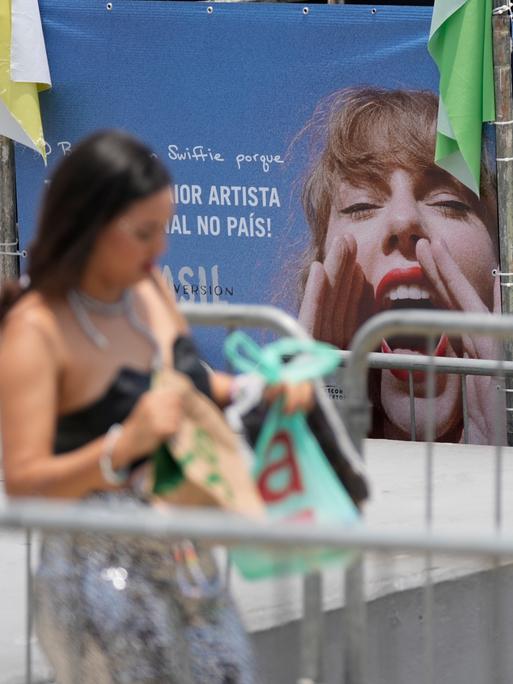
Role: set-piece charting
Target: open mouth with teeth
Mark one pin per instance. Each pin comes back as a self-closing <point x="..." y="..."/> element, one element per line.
<point x="408" y="288"/>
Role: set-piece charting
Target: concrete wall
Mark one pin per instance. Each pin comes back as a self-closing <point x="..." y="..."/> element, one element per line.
<point x="467" y="645"/>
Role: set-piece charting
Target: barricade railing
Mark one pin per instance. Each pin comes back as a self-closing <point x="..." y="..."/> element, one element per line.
<point x="356" y="408"/>
<point x="234" y="316"/>
<point x="412" y="322"/>
<point x="220" y="527"/>
<point x="231" y="317"/>
<point x="217" y="527"/>
<point x="463" y="367"/>
<point x="357" y="417"/>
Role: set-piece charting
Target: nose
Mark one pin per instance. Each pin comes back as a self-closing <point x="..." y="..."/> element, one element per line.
<point x="404" y="225"/>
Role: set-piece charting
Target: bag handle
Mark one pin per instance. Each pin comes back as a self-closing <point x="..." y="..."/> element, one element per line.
<point x="309" y="359"/>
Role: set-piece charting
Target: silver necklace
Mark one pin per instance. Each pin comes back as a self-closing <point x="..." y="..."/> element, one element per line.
<point x="83" y="304"/>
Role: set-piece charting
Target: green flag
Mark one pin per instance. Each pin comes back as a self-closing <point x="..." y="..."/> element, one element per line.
<point x="460" y="42"/>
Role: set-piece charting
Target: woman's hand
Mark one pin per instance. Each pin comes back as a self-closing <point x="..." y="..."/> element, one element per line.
<point x="331" y="301"/>
<point x="298" y="397"/>
<point x="457" y="292"/>
<point x="154" y="419"/>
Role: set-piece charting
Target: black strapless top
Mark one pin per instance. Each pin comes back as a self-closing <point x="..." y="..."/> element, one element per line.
<point x="76" y="429"/>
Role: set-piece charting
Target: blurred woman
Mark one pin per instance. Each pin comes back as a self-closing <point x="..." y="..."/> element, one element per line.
<point x="82" y="333"/>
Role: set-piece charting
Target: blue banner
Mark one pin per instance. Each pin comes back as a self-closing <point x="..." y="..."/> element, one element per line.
<point x="301" y="143"/>
<point x="292" y="133"/>
<point x="220" y="92"/>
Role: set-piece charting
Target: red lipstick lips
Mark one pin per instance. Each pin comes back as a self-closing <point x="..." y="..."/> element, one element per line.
<point x="440" y="350"/>
<point x="400" y="276"/>
<point x="412" y="275"/>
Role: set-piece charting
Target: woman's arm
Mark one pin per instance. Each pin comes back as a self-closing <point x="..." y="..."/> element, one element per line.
<point x="296" y="397"/>
<point x="29" y="376"/>
<point x="29" y="372"/>
<point x="221" y="387"/>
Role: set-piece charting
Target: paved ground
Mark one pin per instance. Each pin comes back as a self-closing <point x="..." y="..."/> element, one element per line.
<point x="13" y="622"/>
<point x="463" y="501"/>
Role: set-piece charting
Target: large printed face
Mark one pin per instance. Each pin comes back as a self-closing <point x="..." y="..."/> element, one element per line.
<point x="420" y="244"/>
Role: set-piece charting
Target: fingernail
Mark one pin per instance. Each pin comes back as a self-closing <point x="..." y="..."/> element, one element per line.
<point x="350" y="242"/>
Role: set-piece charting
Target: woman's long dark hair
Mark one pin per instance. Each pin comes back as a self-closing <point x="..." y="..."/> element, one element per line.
<point x="103" y="175"/>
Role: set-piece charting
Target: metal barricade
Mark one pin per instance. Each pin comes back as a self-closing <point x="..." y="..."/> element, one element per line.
<point x="356" y="410"/>
<point x="463" y="367"/>
<point x="231" y="317"/>
<point x="230" y="530"/>
<point x="427" y="324"/>
<point x="234" y="316"/>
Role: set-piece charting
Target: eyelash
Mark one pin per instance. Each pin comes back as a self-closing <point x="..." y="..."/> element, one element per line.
<point x="359" y="211"/>
<point x="451" y="208"/>
<point x="448" y="208"/>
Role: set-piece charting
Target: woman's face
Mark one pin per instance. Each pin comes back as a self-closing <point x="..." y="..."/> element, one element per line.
<point x="420" y="244"/>
<point x="131" y="244"/>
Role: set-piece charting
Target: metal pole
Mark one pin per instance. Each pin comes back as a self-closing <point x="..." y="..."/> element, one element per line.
<point x="504" y="153"/>
<point x="29" y="613"/>
<point x="10" y="268"/>
<point x="9" y="264"/>
<point x="311" y="631"/>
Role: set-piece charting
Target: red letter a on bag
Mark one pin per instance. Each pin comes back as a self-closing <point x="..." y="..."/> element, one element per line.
<point x="287" y="464"/>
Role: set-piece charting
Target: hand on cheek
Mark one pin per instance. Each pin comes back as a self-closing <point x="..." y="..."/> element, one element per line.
<point x="457" y="293"/>
<point x="329" y="310"/>
<point x="450" y="284"/>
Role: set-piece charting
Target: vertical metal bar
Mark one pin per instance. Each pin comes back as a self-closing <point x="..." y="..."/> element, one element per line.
<point x="355" y="629"/>
<point x="504" y="151"/>
<point x="29" y="618"/>
<point x="9" y="265"/>
<point x="9" y="268"/>
<point x="428" y="598"/>
<point x="311" y="630"/>
<point x="464" y="402"/>
<point x="430" y="435"/>
<point x="430" y="432"/>
<point x="495" y="641"/>
<point x="498" y="417"/>
<point x="413" y="432"/>
<point x="498" y="645"/>
<point x="357" y="420"/>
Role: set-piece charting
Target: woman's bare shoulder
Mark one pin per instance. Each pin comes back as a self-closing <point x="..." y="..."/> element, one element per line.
<point x="34" y="320"/>
<point x="156" y="289"/>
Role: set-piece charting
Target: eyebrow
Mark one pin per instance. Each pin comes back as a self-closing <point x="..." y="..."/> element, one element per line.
<point x="378" y="185"/>
<point x="434" y="178"/>
<point x="425" y="181"/>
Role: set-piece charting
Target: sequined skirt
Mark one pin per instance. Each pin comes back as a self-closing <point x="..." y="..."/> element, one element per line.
<point x="124" y="611"/>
